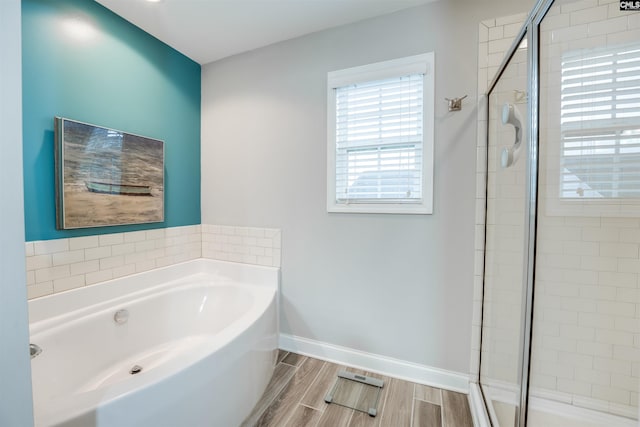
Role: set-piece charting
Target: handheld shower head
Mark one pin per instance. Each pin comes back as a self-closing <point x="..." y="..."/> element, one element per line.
<point x="511" y="116"/>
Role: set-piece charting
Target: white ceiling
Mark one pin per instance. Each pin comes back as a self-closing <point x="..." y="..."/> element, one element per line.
<point x="208" y="30"/>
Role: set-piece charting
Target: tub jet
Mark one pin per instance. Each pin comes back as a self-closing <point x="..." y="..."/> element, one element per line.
<point x="135" y="370"/>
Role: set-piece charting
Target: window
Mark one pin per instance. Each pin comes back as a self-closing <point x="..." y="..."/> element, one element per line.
<point x="600" y="124"/>
<point x="380" y="137"/>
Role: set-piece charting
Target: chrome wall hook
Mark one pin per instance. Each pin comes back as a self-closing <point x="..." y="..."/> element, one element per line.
<point x="455" y="104"/>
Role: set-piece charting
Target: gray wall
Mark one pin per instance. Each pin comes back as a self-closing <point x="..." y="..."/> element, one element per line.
<point x="394" y="285"/>
<point x="15" y="369"/>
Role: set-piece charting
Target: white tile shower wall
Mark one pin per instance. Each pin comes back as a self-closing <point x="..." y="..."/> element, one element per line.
<point x="586" y="349"/>
<point x="250" y="245"/>
<point x="495" y="37"/>
<point x="59" y="265"/>
<point x="586" y="331"/>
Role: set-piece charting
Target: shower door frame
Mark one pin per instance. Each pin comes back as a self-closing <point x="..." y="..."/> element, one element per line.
<point x="530" y="29"/>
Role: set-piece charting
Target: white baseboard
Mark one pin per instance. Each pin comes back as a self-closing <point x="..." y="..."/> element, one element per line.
<point x="476" y="404"/>
<point x="384" y="365"/>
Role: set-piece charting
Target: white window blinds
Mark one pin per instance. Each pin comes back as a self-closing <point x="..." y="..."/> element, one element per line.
<point x="600" y="123"/>
<point x="379" y="131"/>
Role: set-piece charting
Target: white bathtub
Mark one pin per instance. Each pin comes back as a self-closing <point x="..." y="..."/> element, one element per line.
<point x="204" y="333"/>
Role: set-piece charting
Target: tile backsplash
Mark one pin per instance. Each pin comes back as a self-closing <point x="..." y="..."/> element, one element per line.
<point x="62" y="264"/>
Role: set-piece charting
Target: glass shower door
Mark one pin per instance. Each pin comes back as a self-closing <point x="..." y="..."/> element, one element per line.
<point x="506" y="230"/>
<point x="586" y="318"/>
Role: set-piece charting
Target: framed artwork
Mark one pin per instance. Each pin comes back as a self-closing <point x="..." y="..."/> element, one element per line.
<point x="106" y="177"/>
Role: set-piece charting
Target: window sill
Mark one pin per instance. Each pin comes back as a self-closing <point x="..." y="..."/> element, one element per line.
<point x="381" y="208"/>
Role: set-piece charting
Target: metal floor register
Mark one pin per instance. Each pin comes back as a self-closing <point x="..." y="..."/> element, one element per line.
<point x="357" y="392"/>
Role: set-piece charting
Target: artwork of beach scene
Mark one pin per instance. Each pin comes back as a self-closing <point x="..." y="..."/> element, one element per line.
<point x="107" y="177"/>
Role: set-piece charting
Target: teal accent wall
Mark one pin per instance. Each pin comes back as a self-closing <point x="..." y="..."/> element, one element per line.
<point x="83" y="62"/>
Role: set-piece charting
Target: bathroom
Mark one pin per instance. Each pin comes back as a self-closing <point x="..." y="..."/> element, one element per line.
<point x="402" y="289"/>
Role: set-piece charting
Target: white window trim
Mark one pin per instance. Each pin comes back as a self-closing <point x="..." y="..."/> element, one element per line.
<point x="423" y="63"/>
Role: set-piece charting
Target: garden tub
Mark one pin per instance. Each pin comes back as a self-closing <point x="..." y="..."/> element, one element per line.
<point x="193" y="344"/>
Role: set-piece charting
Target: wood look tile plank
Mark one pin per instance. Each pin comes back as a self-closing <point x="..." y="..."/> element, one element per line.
<point x="302" y="416"/>
<point x="283" y="405"/>
<point x="455" y="410"/>
<point x="428" y="394"/>
<point x="335" y="416"/>
<point x="293" y="359"/>
<point x="314" y="397"/>
<point x="281" y="355"/>
<point x="360" y="419"/>
<point x="281" y="376"/>
<point x="426" y="414"/>
<point x="398" y="404"/>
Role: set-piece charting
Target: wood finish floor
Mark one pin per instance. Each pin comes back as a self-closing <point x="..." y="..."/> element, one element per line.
<point x="295" y="398"/>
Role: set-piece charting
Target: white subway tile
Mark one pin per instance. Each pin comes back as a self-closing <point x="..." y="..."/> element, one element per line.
<point x="249" y="259"/>
<point x="135" y="258"/>
<point x="31" y="278"/>
<point x="614" y="337"/>
<point x="111" y="239"/>
<point x="29" y="249"/>
<point x="577" y="5"/>
<point x="627" y="265"/>
<point x="496" y="33"/>
<point x="599" y="263"/>
<point x="627" y="324"/>
<point x="575" y="332"/>
<point x="555" y="22"/>
<point x="483" y="33"/>
<point x="73" y="282"/>
<point x="628" y="295"/>
<point x="97" y="253"/>
<point x="608" y="278"/>
<point x="608" y="26"/>
<point x="123" y="249"/>
<point x="610" y="394"/>
<point x="625" y="352"/>
<point x="591" y="14"/>
<point x="595" y="349"/>
<point x="156" y="253"/>
<point x="84" y="242"/>
<point x="600" y="234"/>
<point x="84" y="267"/>
<point x="624" y="382"/>
<point x="158" y="233"/>
<point x="617" y="308"/>
<point x="68" y="257"/>
<point x="38" y="261"/>
<point x="612" y="365"/>
<point x="618" y="249"/>
<point x="52" y="273"/>
<point x="559" y="343"/>
<point x="98" y="276"/>
<point x="135" y="236"/>
<point x="145" y="246"/>
<point x="566" y="34"/>
<point x="44" y="247"/>
<point x="145" y="265"/>
<point x="124" y="270"/>
<point x="519" y="17"/>
<point x="574" y="359"/>
<point x="573" y="386"/>
<point x="111" y="262"/>
<point x="39" y="289"/>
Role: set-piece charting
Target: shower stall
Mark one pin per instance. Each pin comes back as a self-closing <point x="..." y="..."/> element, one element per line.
<point x="560" y="335"/>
